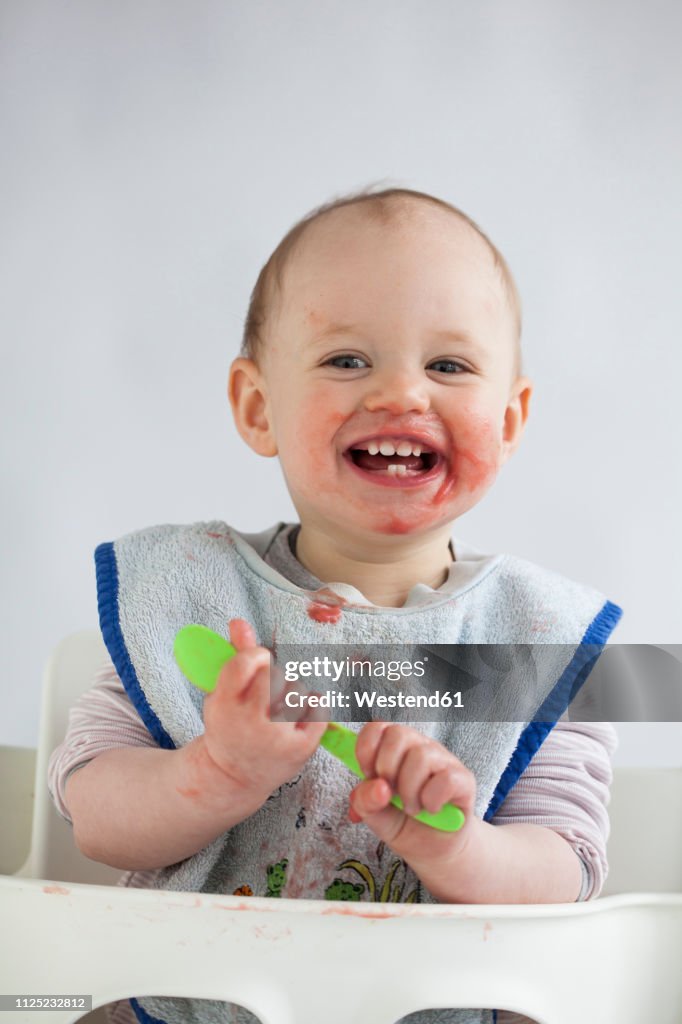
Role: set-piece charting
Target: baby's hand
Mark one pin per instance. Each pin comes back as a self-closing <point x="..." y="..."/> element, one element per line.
<point x="240" y="739"/>
<point x="398" y="759"/>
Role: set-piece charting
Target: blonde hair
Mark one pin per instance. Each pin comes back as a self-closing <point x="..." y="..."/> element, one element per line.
<point x="381" y="206"/>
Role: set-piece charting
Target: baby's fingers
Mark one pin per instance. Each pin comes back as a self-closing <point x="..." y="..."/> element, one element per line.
<point x="245" y="677"/>
<point x="418" y="765"/>
<point x="242" y="634"/>
<point x="369" y="797"/>
<point x="454" y="785"/>
<point x="288" y="700"/>
<point x="367" y="746"/>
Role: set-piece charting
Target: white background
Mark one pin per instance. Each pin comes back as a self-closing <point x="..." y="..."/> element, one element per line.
<point x="154" y="153"/>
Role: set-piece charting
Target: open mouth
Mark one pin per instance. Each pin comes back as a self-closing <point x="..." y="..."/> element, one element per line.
<point x="397" y="463"/>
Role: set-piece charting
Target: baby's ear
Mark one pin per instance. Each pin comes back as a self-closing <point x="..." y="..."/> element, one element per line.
<point x="248" y="395"/>
<point x="515" y="415"/>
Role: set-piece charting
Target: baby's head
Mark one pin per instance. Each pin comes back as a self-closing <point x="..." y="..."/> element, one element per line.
<point x="385" y="316"/>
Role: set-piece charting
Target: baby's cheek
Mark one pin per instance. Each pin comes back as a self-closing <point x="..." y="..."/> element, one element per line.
<point x="317" y="425"/>
<point x="477" y="464"/>
<point x="476" y="458"/>
<point x="481" y="436"/>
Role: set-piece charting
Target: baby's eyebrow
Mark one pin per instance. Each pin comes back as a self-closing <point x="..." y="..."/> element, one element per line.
<point x="458" y="337"/>
<point x="335" y="329"/>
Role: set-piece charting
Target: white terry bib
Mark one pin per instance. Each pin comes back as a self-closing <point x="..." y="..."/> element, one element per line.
<point x="300" y="843"/>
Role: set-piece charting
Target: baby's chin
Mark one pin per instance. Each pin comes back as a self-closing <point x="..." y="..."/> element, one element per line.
<point x="401" y="525"/>
<point x="376" y="527"/>
<point x="371" y="513"/>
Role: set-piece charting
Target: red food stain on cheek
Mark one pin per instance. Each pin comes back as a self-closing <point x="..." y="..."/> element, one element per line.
<point x="476" y="469"/>
<point x="469" y="473"/>
<point x="475" y="459"/>
<point x="320" y="412"/>
<point x="336" y="418"/>
<point x="446" y="488"/>
<point x="312" y="445"/>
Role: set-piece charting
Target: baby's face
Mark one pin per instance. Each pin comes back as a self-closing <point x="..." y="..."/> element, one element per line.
<point x="402" y="334"/>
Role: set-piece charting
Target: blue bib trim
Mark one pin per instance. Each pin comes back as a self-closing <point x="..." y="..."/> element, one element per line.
<point x="142" y="1015"/>
<point x="572" y="679"/>
<point x="107" y="604"/>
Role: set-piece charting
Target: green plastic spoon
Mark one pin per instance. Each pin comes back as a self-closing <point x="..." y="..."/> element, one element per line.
<point x="201" y="654"/>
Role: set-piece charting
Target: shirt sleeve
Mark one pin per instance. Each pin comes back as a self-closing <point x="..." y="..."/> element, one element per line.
<point x="102" y="718"/>
<point x="566" y="788"/>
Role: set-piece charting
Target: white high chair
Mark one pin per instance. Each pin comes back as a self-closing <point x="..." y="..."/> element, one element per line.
<point x="66" y="928"/>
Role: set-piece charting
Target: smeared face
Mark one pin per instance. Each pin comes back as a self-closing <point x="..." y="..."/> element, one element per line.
<point x="389" y="365"/>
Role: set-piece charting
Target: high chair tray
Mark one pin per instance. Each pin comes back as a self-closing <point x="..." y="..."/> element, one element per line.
<point x="615" y="959"/>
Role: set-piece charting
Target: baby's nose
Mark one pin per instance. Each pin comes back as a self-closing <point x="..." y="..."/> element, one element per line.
<point x="398" y="391"/>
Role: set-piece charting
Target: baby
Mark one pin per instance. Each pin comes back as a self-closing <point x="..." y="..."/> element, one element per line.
<point x="381" y="364"/>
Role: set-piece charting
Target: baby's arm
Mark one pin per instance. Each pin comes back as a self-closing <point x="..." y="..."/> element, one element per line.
<point x="138" y="808"/>
<point x="482" y="863"/>
<point x="566" y="787"/>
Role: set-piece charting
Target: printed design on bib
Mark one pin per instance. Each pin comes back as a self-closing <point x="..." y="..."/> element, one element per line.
<point x="390" y="890"/>
<point x="285" y="785"/>
<point x="340" y="890"/>
<point x="277" y="876"/>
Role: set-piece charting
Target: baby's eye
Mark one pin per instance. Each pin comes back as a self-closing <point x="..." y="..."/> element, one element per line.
<point x="347" y="359"/>
<point x="457" y="367"/>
